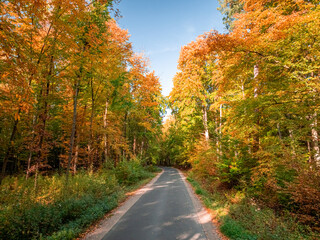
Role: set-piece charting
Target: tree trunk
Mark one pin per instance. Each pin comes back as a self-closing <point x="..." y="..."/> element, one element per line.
<point x="43" y="118"/>
<point x="220" y="128"/>
<point x="10" y="147"/>
<point x="36" y="176"/>
<point x="205" y="123"/>
<point x="291" y="135"/>
<point x="315" y="140"/>
<point x="309" y="151"/>
<point x="218" y="136"/>
<point x="134" y="145"/>
<point x="279" y="132"/>
<point x="105" y="139"/>
<point x="90" y="145"/>
<point x="256" y="83"/>
<point x="34" y="120"/>
<point x="243" y="92"/>
<point x="76" y="154"/>
<point x="142" y="143"/>
<point x="256" y="139"/>
<point x="74" y="120"/>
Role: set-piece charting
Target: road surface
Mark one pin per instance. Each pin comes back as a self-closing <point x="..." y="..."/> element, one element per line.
<point x="165" y="209"/>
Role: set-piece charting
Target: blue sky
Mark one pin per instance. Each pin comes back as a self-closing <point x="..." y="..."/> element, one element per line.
<point x="159" y="28"/>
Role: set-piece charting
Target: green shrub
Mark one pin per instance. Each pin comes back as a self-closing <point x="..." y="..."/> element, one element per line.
<point x="57" y="211"/>
<point x="234" y="230"/>
<point x="130" y="172"/>
<point x="152" y="168"/>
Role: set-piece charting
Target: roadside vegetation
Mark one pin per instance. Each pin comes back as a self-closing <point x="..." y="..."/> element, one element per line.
<point x="240" y="217"/>
<point x="55" y="211"/>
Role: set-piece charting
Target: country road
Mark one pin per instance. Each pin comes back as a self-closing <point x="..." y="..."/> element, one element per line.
<point x="165" y="209"/>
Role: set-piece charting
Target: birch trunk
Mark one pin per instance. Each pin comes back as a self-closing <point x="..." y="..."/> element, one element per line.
<point x="315" y="140"/>
<point x="291" y="135"/>
<point x="205" y="124"/>
<point x="256" y="83"/>
<point x="134" y="145"/>
<point x="309" y="151"/>
<point x="256" y="138"/>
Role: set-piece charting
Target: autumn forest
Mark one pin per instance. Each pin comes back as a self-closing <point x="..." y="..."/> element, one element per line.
<point x="81" y="117"/>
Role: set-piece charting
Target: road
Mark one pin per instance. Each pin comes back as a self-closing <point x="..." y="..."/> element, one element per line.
<point x="167" y="209"/>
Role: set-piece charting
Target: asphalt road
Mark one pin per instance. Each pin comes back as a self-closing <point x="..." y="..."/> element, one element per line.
<point x="166" y="211"/>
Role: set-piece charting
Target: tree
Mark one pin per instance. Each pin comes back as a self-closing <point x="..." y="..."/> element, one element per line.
<point x="72" y="94"/>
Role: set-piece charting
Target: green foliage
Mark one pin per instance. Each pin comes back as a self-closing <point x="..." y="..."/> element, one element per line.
<point x="152" y="168"/>
<point x="234" y="230"/>
<point x="130" y="172"/>
<point x="58" y="212"/>
<point x="241" y="218"/>
<point x="95" y="212"/>
<point x="228" y="9"/>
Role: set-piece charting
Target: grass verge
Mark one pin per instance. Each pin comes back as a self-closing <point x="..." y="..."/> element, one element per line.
<point x="54" y="211"/>
<point x="240" y="219"/>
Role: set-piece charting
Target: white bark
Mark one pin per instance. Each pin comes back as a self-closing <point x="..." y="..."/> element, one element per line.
<point x="256" y="143"/>
<point x="76" y="157"/>
<point x="309" y="151"/>
<point x="292" y="142"/>
<point x="315" y="140"/>
<point x="205" y="124"/>
<point x="255" y="75"/>
<point x="134" y="145"/>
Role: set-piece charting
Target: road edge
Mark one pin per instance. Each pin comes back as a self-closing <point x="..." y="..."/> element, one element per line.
<point x="203" y="216"/>
<point x="108" y="223"/>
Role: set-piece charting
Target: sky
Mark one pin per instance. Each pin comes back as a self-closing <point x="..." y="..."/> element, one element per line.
<point x="159" y="28"/>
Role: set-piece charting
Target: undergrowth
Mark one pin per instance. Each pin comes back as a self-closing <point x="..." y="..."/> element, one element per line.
<point x="241" y="218"/>
<point x="56" y="211"/>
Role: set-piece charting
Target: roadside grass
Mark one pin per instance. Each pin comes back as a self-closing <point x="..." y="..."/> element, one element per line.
<point x="54" y="211"/>
<point x="240" y="219"/>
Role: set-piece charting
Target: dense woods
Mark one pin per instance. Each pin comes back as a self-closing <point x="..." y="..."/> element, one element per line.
<point x="73" y="93"/>
<point x="246" y="106"/>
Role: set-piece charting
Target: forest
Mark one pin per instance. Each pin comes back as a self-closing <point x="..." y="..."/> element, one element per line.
<point x="81" y="117"/>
